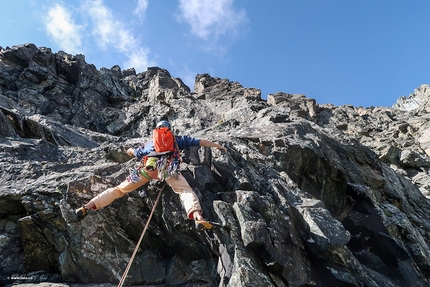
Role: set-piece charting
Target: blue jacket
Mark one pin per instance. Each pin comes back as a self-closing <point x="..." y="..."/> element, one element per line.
<point x="182" y="141"/>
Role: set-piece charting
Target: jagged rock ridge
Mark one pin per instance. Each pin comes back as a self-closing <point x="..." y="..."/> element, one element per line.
<point x="310" y="195"/>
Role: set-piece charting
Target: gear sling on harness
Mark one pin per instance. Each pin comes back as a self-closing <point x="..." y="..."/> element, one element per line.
<point x="121" y="282"/>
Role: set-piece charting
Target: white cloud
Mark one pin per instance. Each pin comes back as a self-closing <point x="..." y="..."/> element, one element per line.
<point x="211" y="19"/>
<point x="138" y="59"/>
<point x="111" y="33"/>
<point x="141" y="7"/>
<point x="60" y="25"/>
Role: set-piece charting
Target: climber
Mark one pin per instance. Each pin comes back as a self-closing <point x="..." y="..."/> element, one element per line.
<point x="148" y="171"/>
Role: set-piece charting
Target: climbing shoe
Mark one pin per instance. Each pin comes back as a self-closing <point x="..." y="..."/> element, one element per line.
<point x="81" y="212"/>
<point x="203" y="225"/>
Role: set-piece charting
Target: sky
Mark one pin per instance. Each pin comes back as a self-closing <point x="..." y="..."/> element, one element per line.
<point x="342" y="52"/>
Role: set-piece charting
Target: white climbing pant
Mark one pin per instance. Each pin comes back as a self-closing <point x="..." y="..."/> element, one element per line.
<point x="179" y="185"/>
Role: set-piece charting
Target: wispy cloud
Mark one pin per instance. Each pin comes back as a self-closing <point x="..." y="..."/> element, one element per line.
<point x="101" y="28"/>
<point x="211" y="19"/>
<point x="139" y="60"/>
<point x="64" y="31"/>
<point x="140" y="10"/>
<point x="111" y="33"/>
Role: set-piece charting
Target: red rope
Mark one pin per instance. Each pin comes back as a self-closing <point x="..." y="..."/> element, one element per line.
<point x="121" y="282"/>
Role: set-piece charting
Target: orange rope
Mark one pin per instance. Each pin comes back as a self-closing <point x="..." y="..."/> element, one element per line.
<point x="121" y="282"/>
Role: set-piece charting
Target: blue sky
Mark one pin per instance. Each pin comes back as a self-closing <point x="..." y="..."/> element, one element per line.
<point x="358" y="52"/>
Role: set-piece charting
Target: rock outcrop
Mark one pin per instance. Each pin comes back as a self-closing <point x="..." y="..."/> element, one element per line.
<point x="307" y="195"/>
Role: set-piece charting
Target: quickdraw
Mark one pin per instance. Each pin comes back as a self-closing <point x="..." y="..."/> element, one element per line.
<point x="168" y="166"/>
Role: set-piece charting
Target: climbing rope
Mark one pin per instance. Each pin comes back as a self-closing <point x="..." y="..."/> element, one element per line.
<point x="121" y="282"/>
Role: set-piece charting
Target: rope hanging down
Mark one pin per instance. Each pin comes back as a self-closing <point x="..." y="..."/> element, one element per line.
<point x="121" y="282"/>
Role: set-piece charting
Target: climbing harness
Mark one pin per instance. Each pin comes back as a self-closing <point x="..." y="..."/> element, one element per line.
<point x="121" y="282"/>
<point x="168" y="166"/>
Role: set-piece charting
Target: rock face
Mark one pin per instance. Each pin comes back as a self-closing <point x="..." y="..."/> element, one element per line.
<point x="308" y="194"/>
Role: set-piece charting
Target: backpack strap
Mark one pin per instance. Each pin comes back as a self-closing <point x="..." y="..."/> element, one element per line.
<point x="177" y="151"/>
